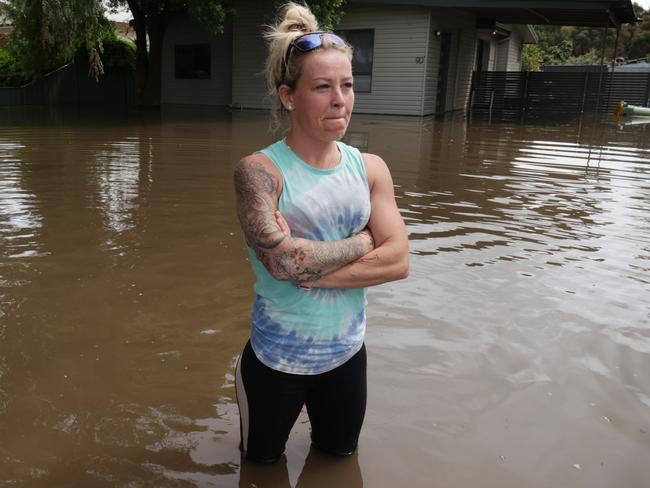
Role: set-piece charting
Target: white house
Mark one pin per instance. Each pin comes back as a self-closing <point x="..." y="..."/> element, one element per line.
<point x="411" y="57"/>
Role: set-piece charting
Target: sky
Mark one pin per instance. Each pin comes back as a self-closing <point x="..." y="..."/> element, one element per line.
<point x="125" y="15"/>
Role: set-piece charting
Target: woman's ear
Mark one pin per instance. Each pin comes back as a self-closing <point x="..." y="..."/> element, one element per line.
<point x="286" y="97"/>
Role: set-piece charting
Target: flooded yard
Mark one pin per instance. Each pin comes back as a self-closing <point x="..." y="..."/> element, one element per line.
<point x="516" y="354"/>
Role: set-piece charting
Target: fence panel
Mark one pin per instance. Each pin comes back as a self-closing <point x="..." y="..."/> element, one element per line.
<point x="512" y="95"/>
<point x="71" y="85"/>
<point x="631" y="87"/>
<point x="550" y="93"/>
<point x="499" y="92"/>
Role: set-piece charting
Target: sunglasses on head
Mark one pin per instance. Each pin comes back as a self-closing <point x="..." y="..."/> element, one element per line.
<point x="309" y="42"/>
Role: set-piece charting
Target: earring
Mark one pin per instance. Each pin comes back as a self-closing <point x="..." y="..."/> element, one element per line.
<point x="290" y="107"/>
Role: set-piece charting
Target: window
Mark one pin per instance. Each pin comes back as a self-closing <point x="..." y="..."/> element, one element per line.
<point x="192" y="62"/>
<point x="363" y="42"/>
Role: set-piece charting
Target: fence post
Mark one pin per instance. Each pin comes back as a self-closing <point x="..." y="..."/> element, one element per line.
<point x="524" y="96"/>
<point x="471" y="103"/>
<point x="491" y="103"/>
<point x="647" y="92"/>
<point x="584" y="92"/>
<point x="472" y="92"/>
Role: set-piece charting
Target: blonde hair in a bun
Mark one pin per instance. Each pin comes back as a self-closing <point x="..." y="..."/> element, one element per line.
<point x="293" y="21"/>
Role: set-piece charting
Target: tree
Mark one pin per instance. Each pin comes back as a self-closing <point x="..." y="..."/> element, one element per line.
<point x="150" y="19"/>
<point x="531" y="57"/>
<point x="584" y="45"/>
<point x="638" y="44"/>
<point x="48" y="33"/>
<point x="557" y="53"/>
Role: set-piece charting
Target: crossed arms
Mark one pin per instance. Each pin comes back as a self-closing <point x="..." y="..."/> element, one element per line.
<point x="375" y="255"/>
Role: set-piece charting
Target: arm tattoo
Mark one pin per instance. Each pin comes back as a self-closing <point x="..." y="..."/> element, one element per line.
<point x="302" y="260"/>
<point x="256" y="205"/>
<point x="312" y="260"/>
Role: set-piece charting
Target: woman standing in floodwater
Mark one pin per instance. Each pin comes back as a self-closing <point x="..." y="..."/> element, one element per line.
<point x="321" y="224"/>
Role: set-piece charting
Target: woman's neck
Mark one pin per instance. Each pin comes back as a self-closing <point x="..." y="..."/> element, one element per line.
<point x="319" y="154"/>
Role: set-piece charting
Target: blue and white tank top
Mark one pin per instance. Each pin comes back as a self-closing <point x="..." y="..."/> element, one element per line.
<point x="311" y="331"/>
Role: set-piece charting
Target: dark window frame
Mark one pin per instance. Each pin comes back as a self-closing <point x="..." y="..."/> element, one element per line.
<point x="368" y="70"/>
<point x="193" y="61"/>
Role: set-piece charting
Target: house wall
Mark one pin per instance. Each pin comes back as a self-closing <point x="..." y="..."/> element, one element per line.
<point x="400" y="85"/>
<point x="462" y="59"/>
<point x="514" y="50"/>
<point x="399" y="58"/>
<point x="492" y="64"/>
<point x="431" y="69"/>
<point x="508" y="51"/>
<point x="214" y="91"/>
<point x="405" y="59"/>
<point x="466" y="58"/>
<point x="249" y="56"/>
<point x="398" y="79"/>
<point x="502" y="49"/>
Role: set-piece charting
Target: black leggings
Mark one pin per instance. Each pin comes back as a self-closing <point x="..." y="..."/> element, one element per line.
<point x="270" y="401"/>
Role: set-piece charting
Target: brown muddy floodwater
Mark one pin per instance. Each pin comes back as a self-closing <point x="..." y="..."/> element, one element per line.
<point x="517" y="354"/>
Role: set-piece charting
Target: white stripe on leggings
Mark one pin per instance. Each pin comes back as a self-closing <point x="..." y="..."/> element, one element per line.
<point x="242" y="402"/>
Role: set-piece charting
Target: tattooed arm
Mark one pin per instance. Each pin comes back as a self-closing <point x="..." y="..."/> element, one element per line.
<point x="287" y="258"/>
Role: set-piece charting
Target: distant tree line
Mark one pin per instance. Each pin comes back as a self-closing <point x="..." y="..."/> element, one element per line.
<point x="583" y="45"/>
<point x="49" y="33"/>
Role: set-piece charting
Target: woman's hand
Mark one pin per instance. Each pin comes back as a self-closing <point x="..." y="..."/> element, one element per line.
<point x="284" y="227"/>
<point x="368" y="241"/>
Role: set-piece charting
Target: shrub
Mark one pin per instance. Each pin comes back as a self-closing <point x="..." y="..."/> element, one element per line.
<point x="10" y="72"/>
<point x="118" y="55"/>
<point x="531" y="57"/>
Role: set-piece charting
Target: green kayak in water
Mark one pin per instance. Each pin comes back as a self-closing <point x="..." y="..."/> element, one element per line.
<point x="631" y="114"/>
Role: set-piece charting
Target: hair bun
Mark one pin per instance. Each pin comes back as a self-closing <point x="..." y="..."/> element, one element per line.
<point x="297" y="27"/>
<point x="296" y="18"/>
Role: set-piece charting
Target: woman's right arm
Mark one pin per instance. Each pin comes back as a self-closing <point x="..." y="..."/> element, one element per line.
<point x="287" y="258"/>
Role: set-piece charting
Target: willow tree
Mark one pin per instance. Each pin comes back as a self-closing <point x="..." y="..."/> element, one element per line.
<point x="48" y="33"/>
<point x="150" y="18"/>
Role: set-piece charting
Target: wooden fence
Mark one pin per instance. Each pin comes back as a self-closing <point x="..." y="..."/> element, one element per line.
<point x="514" y="95"/>
<point x="71" y="85"/>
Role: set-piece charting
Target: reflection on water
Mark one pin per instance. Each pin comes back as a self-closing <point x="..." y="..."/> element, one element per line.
<point x="514" y="355"/>
<point x="18" y="219"/>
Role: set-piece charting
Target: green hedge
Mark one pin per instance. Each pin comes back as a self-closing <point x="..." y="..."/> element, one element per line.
<point x="10" y="72"/>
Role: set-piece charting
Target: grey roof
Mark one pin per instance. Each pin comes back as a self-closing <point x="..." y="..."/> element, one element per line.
<point x="593" y="13"/>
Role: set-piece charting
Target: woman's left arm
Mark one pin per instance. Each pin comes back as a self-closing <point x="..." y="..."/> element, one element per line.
<point x="389" y="261"/>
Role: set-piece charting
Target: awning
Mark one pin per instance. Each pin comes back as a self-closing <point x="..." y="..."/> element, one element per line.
<point x="589" y="13"/>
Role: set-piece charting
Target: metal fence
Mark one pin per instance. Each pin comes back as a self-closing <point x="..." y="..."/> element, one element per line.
<point x="517" y="95"/>
<point x="71" y="85"/>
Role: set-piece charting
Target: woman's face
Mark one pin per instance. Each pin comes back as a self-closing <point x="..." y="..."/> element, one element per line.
<point x="323" y="96"/>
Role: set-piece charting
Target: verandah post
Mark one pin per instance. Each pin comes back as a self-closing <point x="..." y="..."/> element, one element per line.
<point x="584" y="91"/>
<point x="524" y="95"/>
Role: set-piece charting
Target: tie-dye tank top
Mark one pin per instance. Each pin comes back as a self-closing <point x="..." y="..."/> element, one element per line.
<point x="311" y="331"/>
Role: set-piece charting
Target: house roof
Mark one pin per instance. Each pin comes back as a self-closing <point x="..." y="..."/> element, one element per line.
<point x="591" y="13"/>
